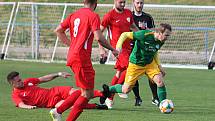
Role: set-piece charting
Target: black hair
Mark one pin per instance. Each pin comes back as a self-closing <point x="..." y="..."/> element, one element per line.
<point x="11" y="76"/>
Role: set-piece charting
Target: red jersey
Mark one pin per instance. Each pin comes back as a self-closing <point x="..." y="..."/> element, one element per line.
<point x="117" y="23"/>
<point x="81" y="24"/>
<point x="31" y="94"/>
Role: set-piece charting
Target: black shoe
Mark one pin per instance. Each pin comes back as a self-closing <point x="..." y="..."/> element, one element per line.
<point x="155" y="101"/>
<point x="106" y="92"/>
<point x="138" y="102"/>
<point x="102" y="60"/>
<point x="101" y="107"/>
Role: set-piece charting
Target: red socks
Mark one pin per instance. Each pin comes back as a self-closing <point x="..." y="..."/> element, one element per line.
<point x="97" y="93"/>
<point x="90" y="106"/>
<point x="114" y="80"/>
<point x="69" y="101"/>
<point x="122" y="78"/>
<point x="77" y="109"/>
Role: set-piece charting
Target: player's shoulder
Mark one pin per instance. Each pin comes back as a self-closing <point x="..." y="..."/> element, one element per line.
<point x="127" y="11"/>
<point x="86" y="11"/>
<point x="145" y="32"/>
<point x="110" y="12"/>
<point x="149" y="32"/>
<point x="31" y="81"/>
<point x="147" y="14"/>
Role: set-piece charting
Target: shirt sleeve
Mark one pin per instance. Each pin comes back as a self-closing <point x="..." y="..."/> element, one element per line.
<point x="124" y="36"/>
<point x="152" y="25"/>
<point x="66" y="22"/>
<point x="95" y="23"/>
<point x="34" y="81"/>
<point x="106" y="20"/>
<point x="16" y="99"/>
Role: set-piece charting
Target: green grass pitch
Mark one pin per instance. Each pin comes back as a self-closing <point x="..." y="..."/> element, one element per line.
<point x="192" y="92"/>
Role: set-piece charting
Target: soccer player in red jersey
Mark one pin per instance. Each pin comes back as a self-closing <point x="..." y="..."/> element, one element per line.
<point x="27" y="94"/>
<point x="84" y="24"/>
<point x="117" y="21"/>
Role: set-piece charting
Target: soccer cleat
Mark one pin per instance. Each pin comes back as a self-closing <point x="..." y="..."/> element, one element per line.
<point x="155" y="102"/>
<point x="55" y="116"/>
<point x="138" y="102"/>
<point x="106" y="92"/>
<point x="109" y="103"/>
<point x="101" y="107"/>
<point x="123" y="95"/>
<point x="102" y="60"/>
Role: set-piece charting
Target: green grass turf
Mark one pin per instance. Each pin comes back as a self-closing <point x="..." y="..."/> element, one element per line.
<point x="192" y="92"/>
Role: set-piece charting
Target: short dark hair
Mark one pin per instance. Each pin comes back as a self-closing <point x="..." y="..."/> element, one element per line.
<point x="11" y="76"/>
<point x="90" y="1"/>
<point x="164" y="26"/>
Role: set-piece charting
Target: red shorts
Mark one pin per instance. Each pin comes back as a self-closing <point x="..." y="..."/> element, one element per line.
<point x="122" y="61"/>
<point x="84" y="77"/>
<point x="57" y="94"/>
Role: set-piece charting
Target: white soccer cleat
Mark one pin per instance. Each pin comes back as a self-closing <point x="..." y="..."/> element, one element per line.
<point x="109" y="103"/>
<point x="123" y="95"/>
<point x="55" y="116"/>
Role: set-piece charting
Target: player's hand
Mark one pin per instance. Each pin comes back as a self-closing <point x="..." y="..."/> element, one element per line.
<point x="115" y="53"/>
<point x="119" y="50"/>
<point x="64" y="74"/>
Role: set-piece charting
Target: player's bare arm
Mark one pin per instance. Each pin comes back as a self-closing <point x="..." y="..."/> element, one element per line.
<point x="60" y="32"/>
<point x="50" y="77"/>
<point x="102" y="51"/>
<point x="23" y="105"/>
<point x="101" y="39"/>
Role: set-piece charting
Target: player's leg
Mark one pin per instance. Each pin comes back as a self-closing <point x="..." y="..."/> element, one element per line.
<point x="158" y="79"/>
<point x="109" y="101"/>
<point x="153" y="72"/>
<point x="67" y="103"/>
<point x="138" y="100"/>
<point x="121" y="81"/>
<point x="80" y="104"/>
<point x="85" y="80"/>
<point x="153" y="87"/>
<point x="133" y="73"/>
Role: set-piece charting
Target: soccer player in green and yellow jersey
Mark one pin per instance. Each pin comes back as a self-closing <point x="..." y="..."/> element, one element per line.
<point x="144" y="59"/>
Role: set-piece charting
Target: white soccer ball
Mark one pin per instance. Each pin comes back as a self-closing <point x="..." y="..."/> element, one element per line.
<point x="166" y="106"/>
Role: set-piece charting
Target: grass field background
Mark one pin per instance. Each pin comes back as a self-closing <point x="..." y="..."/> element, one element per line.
<point x="192" y="91"/>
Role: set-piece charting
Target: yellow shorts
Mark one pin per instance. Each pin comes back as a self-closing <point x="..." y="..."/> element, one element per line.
<point x="134" y="72"/>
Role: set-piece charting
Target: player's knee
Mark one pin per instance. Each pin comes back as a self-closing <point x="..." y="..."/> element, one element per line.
<point x="126" y="89"/>
<point x="160" y="83"/>
<point x="88" y="94"/>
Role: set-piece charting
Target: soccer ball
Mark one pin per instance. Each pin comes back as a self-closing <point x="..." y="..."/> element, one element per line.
<point x="166" y="106"/>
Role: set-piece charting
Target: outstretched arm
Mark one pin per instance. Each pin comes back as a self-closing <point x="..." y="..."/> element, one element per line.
<point x="23" y="105"/>
<point x="102" y="41"/>
<point x="50" y="77"/>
